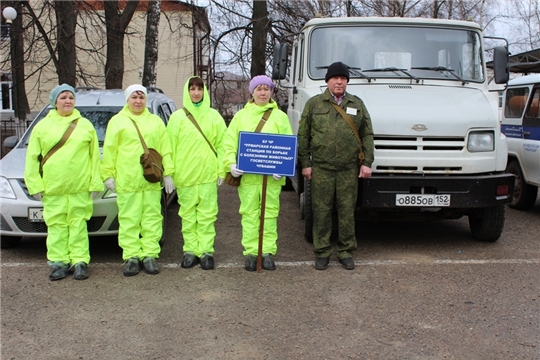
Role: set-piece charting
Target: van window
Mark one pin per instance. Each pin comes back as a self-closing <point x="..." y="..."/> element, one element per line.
<point x="516" y="99"/>
<point x="532" y="111"/>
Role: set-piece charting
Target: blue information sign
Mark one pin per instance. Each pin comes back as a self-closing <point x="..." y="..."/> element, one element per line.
<point x="267" y="154"/>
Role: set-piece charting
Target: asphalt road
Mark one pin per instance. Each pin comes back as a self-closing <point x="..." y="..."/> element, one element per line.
<point x="419" y="291"/>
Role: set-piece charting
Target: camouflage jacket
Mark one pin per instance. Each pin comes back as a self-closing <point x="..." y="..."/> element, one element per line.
<point x="326" y="140"/>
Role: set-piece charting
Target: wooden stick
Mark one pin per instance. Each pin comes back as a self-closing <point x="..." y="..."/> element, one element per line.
<point x="261" y="226"/>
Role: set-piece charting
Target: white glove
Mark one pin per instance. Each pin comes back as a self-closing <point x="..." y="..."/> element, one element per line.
<point x="109" y="184"/>
<point x="277" y="177"/>
<point x="219" y="181"/>
<point x="235" y="172"/>
<point x="38" y="196"/>
<point x="168" y="184"/>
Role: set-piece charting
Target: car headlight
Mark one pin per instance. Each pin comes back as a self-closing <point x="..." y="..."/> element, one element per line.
<point x="6" y="191"/>
<point x="480" y="141"/>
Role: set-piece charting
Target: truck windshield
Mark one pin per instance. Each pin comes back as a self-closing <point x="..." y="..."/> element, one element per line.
<point x="398" y="52"/>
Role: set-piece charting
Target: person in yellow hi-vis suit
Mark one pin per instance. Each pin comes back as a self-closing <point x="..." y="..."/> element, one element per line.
<point x="250" y="189"/>
<point x="139" y="201"/>
<point x="198" y="173"/>
<point x="69" y="180"/>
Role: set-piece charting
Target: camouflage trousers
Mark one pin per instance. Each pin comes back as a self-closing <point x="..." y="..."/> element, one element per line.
<point x="334" y="191"/>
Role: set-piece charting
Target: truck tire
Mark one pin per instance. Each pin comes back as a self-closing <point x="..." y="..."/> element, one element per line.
<point x="307" y="212"/>
<point x="7" y="242"/>
<point x="524" y="195"/>
<point x="487" y="224"/>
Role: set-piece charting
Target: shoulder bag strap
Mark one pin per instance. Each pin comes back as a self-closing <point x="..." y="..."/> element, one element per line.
<point x="190" y="117"/>
<point x="263" y="120"/>
<point x="140" y="136"/>
<point x="62" y="141"/>
<point x="351" y="124"/>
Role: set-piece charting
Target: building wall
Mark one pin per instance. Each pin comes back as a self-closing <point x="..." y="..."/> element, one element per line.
<point x="176" y="60"/>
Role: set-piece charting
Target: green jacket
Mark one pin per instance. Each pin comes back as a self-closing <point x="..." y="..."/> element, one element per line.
<point x="74" y="168"/>
<point x="326" y="140"/>
<point x="122" y="150"/>
<point x="194" y="161"/>
<point x="247" y="119"/>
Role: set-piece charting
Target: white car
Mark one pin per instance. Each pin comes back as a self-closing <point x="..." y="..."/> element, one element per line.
<point x="21" y="215"/>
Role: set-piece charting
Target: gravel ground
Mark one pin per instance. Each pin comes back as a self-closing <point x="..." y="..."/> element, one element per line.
<point x="419" y="291"/>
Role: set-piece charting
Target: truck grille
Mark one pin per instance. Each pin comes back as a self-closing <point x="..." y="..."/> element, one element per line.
<point x="425" y="145"/>
<point x="413" y="143"/>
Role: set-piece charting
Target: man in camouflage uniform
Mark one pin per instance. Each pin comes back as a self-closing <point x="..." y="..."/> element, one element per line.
<point x="328" y="152"/>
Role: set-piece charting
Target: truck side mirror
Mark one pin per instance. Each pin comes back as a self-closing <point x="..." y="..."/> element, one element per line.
<point x="500" y="64"/>
<point x="279" y="64"/>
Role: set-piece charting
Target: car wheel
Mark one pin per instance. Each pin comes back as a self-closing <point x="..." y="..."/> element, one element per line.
<point x="524" y="195"/>
<point x="7" y="242"/>
<point x="487" y="224"/>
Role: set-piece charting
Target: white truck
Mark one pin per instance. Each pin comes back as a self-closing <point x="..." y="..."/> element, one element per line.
<point x="521" y="125"/>
<point x="439" y="150"/>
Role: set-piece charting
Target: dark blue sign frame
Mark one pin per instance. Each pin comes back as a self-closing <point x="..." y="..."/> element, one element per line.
<point x="267" y="154"/>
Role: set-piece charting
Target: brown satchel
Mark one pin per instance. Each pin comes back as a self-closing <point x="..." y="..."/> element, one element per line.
<point x="235" y="181"/>
<point x="351" y="124"/>
<point x="43" y="159"/>
<point x="150" y="161"/>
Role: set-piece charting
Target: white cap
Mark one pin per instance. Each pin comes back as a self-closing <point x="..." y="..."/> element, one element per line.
<point x="132" y="88"/>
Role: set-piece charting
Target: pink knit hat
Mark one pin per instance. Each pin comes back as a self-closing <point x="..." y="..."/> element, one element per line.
<point x="260" y="80"/>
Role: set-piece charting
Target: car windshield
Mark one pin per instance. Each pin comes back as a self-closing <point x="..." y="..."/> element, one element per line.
<point x="398" y="52"/>
<point x="98" y="116"/>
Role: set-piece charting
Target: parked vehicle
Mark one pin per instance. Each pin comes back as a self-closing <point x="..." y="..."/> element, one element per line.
<point x="521" y="125"/>
<point x="439" y="151"/>
<point x="21" y="215"/>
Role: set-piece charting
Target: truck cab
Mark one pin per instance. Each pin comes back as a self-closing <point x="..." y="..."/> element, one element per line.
<point x="521" y="125"/>
<point x="439" y="150"/>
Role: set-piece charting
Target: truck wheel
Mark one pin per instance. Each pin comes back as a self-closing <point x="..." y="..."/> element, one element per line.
<point x="7" y="242"/>
<point x="307" y="212"/>
<point x="487" y="224"/>
<point x="524" y="195"/>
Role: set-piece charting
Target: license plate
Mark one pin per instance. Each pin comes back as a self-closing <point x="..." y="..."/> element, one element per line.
<point x="35" y="214"/>
<point x="423" y="200"/>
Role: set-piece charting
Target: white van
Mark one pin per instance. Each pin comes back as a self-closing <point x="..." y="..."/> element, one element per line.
<point x="521" y="125"/>
<point x="439" y="150"/>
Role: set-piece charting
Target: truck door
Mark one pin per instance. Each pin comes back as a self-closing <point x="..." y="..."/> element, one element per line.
<point x="294" y="110"/>
<point x="531" y="137"/>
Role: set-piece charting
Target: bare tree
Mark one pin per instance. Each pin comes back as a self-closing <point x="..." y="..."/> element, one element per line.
<point x="66" y="18"/>
<point x="20" y="101"/>
<point x="260" y="33"/>
<point x="151" y="44"/>
<point x="117" y="22"/>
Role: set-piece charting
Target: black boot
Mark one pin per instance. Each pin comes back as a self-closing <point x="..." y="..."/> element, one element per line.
<point x="150" y="266"/>
<point x="189" y="261"/>
<point x="207" y="262"/>
<point x="132" y="267"/>
<point x="59" y="270"/>
<point x="251" y="263"/>
<point x="268" y="262"/>
<point x="80" y="271"/>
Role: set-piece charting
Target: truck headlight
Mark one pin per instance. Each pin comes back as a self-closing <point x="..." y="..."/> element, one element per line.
<point x="480" y="141"/>
<point x="6" y="191"/>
